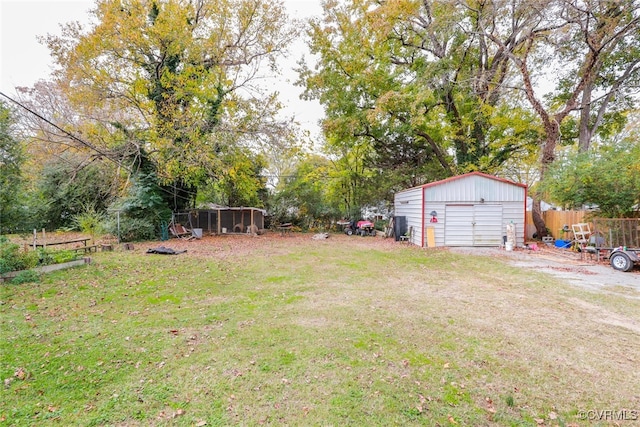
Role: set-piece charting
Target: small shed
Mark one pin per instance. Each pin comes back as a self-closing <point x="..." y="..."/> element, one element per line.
<point x="473" y="209"/>
<point x="223" y="220"/>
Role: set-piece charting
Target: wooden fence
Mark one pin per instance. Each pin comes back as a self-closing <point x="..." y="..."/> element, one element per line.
<point x="605" y="232"/>
<point x="614" y="232"/>
<point x="556" y="221"/>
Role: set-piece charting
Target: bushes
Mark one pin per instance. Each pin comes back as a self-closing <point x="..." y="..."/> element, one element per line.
<point x="133" y="229"/>
<point x="13" y="259"/>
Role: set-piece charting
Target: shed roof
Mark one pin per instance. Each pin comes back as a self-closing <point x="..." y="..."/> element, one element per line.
<point x="466" y="175"/>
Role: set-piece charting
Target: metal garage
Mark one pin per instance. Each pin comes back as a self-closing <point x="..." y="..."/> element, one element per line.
<point x="474" y="209"/>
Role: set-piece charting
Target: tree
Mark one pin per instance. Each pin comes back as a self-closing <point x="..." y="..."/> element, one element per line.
<point x="173" y="80"/>
<point x="302" y="197"/>
<point x="241" y="183"/>
<point x="11" y="159"/>
<point x="610" y="33"/>
<point x="607" y="179"/>
<point x="418" y="80"/>
<point x="66" y="187"/>
<point x="592" y="37"/>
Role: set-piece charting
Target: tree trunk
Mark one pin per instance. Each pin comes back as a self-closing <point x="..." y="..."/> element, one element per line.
<point x="538" y="220"/>
<point x="552" y="131"/>
<point x="584" y="138"/>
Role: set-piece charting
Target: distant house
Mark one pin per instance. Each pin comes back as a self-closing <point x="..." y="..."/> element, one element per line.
<point x="474" y="209"/>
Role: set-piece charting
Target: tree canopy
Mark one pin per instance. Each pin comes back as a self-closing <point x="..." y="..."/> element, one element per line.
<point x="467" y="85"/>
<point x="169" y="93"/>
<point x="11" y="159"/>
<point x="173" y="79"/>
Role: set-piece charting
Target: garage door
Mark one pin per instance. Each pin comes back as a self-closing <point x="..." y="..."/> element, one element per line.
<point x="473" y="225"/>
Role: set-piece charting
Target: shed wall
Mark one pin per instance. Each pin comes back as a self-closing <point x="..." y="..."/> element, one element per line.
<point x="490" y="195"/>
<point x="474" y="188"/>
<point x="409" y="204"/>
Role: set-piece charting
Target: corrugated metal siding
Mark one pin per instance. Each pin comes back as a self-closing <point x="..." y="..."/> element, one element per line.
<point x="487" y="230"/>
<point x="437" y="226"/>
<point x="474" y="188"/>
<point x="409" y="203"/>
<point x="473" y="225"/>
<point x="507" y="197"/>
<point x="458" y="230"/>
<point x="515" y="212"/>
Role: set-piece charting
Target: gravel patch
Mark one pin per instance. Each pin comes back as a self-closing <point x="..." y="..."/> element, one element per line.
<point x="574" y="268"/>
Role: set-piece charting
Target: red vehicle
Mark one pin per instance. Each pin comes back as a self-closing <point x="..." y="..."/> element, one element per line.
<point x="360" y="228"/>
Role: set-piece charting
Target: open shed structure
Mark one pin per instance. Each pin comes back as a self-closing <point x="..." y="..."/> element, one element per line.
<point x="223" y="220"/>
<point x="474" y="209"/>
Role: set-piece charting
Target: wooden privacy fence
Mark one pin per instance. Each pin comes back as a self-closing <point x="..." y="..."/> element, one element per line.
<point x="605" y="232"/>
<point x="556" y="220"/>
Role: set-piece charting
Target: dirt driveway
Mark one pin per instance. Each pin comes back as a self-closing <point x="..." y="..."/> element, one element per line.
<point x="585" y="272"/>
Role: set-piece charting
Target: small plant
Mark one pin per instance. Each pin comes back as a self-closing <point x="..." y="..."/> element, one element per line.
<point x="25" y="276"/>
<point x="132" y="229"/>
<point x="509" y="401"/>
<point x="90" y="221"/>
<point x="13" y="259"/>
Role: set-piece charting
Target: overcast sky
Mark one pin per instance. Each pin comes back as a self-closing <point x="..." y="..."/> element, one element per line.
<point x="23" y="60"/>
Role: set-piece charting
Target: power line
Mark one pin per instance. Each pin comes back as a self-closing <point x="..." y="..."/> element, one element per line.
<point x="91" y="146"/>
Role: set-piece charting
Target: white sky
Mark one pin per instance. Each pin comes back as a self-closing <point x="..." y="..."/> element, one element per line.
<point x="23" y="60"/>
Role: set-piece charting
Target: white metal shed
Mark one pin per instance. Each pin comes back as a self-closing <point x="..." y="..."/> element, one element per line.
<point x="473" y="209"/>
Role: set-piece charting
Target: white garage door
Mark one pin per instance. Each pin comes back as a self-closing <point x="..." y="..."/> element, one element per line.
<point x="473" y="225"/>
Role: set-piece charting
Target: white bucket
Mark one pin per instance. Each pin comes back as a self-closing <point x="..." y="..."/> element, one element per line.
<point x="508" y="246"/>
<point x="224" y="230"/>
<point x="197" y="232"/>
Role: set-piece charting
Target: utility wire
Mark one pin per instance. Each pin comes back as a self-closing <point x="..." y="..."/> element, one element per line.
<point x="88" y="145"/>
<point x="69" y="134"/>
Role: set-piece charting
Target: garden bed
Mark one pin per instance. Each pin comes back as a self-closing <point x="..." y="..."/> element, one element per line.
<point x="6" y="277"/>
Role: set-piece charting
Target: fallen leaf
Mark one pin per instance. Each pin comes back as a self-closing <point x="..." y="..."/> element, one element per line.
<point x="553" y="416"/>
<point x="20" y="374"/>
<point x="201" y="423"/>
<point x="452" y="420"/>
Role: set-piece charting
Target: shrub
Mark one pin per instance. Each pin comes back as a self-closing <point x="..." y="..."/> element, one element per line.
<point x="90" y="221"/>
<point x="133" y="229"/>
<point x="26" y="276"/>
<point x="13" y="259"/>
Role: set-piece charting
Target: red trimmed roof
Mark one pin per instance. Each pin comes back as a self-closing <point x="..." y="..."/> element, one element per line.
<point x="454" y="178"/>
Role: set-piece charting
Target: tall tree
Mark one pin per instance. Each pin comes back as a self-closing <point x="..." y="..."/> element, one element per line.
<point x="587" y="34"/>
<point x="11" y="159"/>
<point x="415" y="78"/>
<point x="173" y="81"/>
<point x="609" y="33"/>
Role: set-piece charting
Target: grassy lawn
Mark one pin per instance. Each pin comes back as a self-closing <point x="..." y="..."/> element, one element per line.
<point x="288" y="330"/>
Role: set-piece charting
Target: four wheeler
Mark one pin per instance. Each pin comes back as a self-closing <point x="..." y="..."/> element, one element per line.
<point x="622" y="259"/>
<point x="360" y="228"/>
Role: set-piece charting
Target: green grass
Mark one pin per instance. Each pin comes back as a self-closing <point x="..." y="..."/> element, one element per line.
<point x="298" y="332"/>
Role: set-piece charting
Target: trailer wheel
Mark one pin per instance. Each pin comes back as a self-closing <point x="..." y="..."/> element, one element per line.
<point x="621" y="261"/>
<point x="349" y="231"/>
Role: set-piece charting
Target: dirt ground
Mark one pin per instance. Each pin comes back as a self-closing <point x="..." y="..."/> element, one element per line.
<point x="575" y="268"/>
<point x="578" y="269"/>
